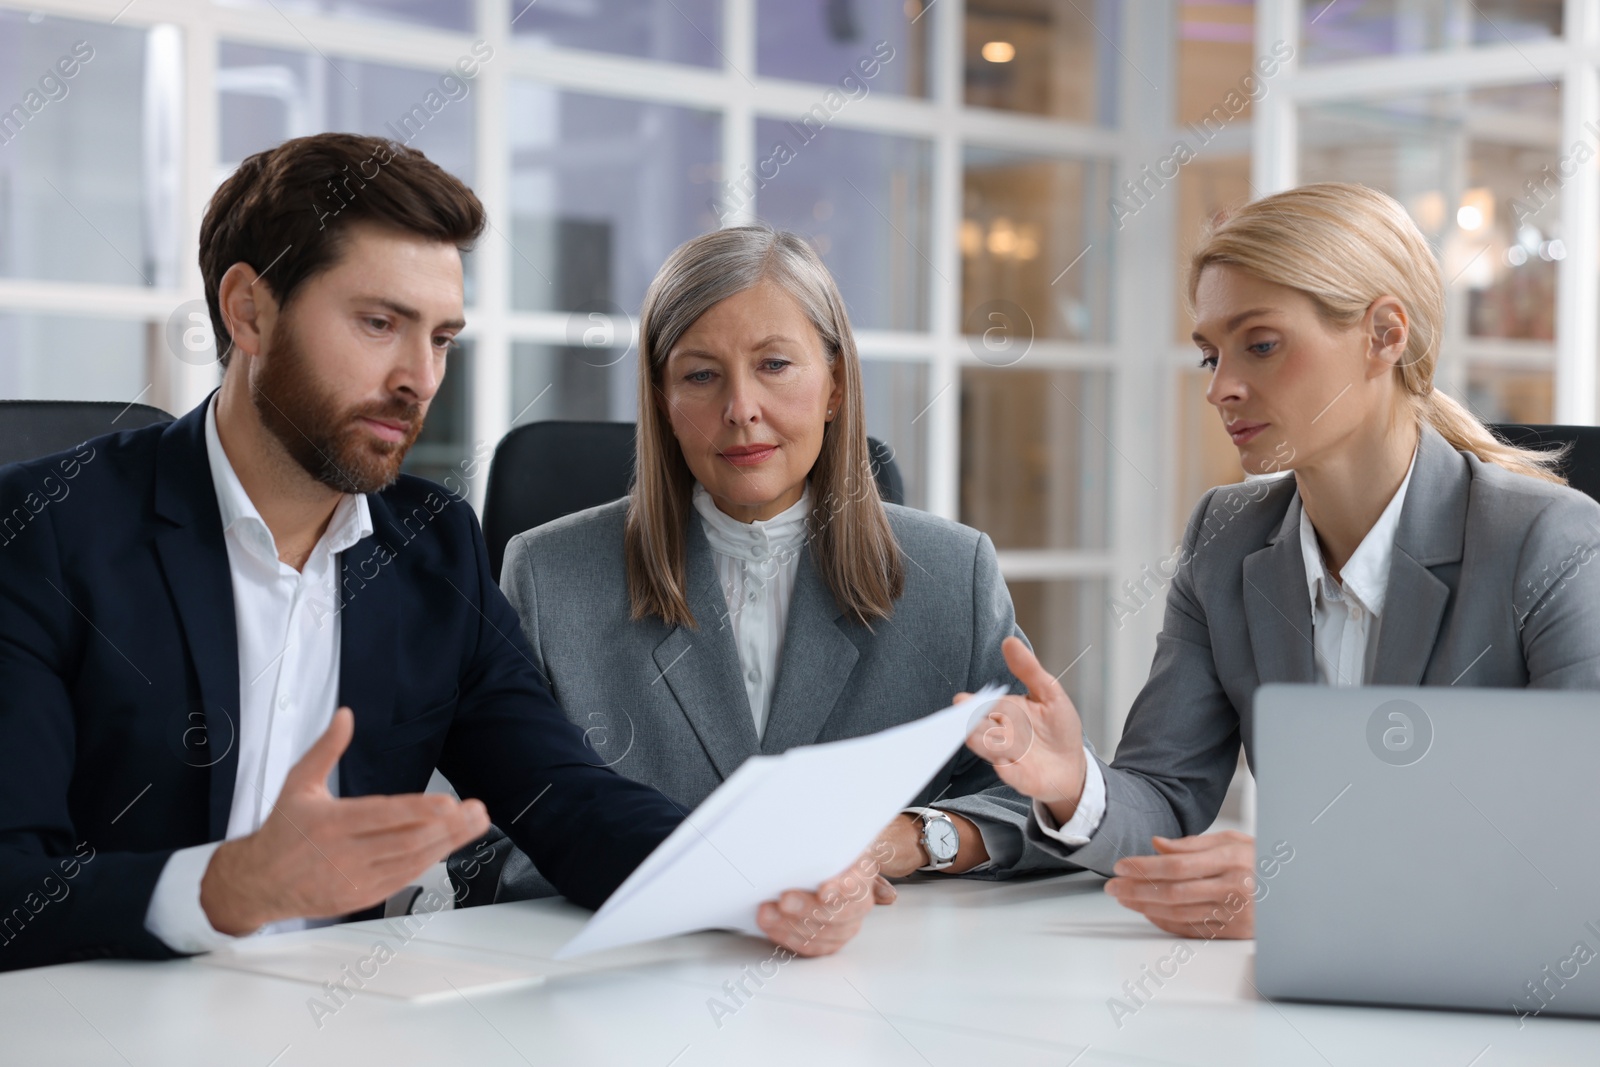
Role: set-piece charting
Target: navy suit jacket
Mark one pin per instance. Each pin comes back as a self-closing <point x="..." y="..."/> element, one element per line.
<point x="119" y="692"/>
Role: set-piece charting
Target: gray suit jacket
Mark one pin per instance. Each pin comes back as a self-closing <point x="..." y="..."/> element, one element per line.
<point x="666" y="705"/>
<point x="1493" y="583"/>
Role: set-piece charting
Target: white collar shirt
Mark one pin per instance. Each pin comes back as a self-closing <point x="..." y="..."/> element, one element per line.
<point x="756" y="564"/>
<point x="288" y="630"/>
<point x="1346" y="612"/>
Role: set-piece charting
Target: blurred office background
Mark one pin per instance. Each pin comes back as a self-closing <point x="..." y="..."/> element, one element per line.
<point x="1001" y="202"/>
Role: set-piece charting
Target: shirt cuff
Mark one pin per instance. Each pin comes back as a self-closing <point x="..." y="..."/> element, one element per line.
<point x="174" y="914"/>
<point x="1090" y="812"/>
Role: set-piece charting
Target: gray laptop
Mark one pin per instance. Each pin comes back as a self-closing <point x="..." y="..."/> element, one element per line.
<point x="1433" y="847"/>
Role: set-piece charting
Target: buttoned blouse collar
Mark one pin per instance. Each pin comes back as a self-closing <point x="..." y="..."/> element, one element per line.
<point x="753" y="542"/>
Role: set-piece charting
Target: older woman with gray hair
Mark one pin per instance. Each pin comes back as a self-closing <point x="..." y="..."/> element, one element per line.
<point x="753" y="592"/>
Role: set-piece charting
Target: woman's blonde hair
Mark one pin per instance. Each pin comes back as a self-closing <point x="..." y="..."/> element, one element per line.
<point x="848" y="531"/>
<point x="1345" y="245"/>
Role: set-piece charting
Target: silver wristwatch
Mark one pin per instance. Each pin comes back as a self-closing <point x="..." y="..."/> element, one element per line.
<point x="940" y="839"/>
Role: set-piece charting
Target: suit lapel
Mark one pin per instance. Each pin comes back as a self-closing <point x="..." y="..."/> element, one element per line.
<point x="1432" y="531"/>
<point x="701" y="666"/>
<point x="369" y="629"/>
<point x="816" y="662"/>
<point x="1277" y="609"/>
<point x="194" y="559"/>
<point x="1413" y="609"/>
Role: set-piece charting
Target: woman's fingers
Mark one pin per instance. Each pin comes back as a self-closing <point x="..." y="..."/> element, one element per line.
<point x="1191" y="857"/>
<point x="1042" y="685"/>
<point x="1135" y="892"/>
<point x="1202" y="842"/>
<point x="1207" y="922"/>
<point x="1199" y="886"/>
<point x="1002" y="735"/>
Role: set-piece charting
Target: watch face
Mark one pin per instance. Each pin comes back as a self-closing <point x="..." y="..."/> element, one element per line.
<point x="942" y="839"/>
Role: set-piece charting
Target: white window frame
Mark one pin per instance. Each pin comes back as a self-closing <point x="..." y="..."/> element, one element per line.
<point x="1137" y="428"/>
<point x="1571" y="61"/>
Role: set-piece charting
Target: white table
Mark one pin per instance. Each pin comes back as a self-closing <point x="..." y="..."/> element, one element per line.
<point x="956" y="973"/>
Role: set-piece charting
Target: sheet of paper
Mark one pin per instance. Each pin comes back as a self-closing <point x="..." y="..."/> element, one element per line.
<point x="405" y="973"/>
<point x="779" y="822"/>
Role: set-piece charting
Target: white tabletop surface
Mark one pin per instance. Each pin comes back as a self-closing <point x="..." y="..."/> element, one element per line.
<point x="956" y="972"/>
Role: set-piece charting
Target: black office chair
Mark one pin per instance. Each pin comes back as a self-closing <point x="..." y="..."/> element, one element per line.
<point x="33" y="428"/>
<point x="1581" y="463"/>
<point x="544" y="470"/>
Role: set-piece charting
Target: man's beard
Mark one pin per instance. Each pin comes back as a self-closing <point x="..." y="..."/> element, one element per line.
<point x="332" y="445"/>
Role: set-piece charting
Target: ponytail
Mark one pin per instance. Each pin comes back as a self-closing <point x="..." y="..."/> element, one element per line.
<point x="1345" y="245"/>
<point x="1466" y="434"/>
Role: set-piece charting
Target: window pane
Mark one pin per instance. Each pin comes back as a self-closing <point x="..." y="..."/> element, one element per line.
<point x="1206" y="187"/>
<point x="573" y="382"/>
<point x="55" y="357"/>
<point x="1044" y="57"/>
<point x="439" y="14"/>
<point x="1034" y="456"/>
<point x="1479" y="171"/>
<point x="1360" y="29"/>
<point x="601" y="191"/>
<point x="864" y="200"/>
<point x="1065" y="621"/>
<point x="1502" y="394"/>
<point x="895" y="395"/>
<point x="1216" y="52"/>
<point x="89" y="160"/>
<point x="1036" y="239"/>
<point x="874" y="47"/>
<point x="678" y="31"/>
<point x="268" y="96"/>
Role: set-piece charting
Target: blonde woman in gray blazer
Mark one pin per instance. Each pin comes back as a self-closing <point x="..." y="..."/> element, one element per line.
<point x="1409" y="547"/>
<point x="753" y="593"/>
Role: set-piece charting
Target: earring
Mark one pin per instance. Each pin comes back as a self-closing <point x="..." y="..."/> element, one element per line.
<point x="830" y="413"/>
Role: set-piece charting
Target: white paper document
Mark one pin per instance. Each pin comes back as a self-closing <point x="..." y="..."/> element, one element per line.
<point x="408" y="973"/>
<point x="779" y="822"/>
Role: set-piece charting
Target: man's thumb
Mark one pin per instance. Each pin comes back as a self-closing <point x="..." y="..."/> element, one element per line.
<point x="321" y="758"/>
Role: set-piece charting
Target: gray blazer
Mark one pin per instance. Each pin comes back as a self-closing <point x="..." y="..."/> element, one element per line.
<point x="666" y="705"/>
<point x="1493" y="583"/>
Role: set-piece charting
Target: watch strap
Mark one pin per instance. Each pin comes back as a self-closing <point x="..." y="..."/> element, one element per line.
<point x="927" y="815"/>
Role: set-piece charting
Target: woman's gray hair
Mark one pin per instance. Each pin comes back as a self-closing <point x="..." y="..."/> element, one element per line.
<point x="852" y="544"/>
<point x="707" y="270"/>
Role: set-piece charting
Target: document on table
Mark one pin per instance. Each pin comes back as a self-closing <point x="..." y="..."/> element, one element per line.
<point x="385" y="964"/>
<point x="790" y="821"/>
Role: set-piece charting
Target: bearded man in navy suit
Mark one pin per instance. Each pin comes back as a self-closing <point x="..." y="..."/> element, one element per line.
<point x="234" y="652"/>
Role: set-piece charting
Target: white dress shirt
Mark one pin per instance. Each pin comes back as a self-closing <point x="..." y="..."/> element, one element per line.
<point x="1345" y="614"/>
<point x="756" y="566"/>
<point x="288" y="632"/>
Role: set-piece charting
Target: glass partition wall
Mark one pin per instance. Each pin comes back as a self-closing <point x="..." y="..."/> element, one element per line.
<point x="1005" y="189"/>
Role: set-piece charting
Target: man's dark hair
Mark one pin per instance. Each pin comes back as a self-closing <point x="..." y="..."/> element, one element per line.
<point x="285" y="211"/>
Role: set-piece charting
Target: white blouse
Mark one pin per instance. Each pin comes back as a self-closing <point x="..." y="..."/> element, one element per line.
<point x="1346" y="612"/>
<point x="756" y="566"/>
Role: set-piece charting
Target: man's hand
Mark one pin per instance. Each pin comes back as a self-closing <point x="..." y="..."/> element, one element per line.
<point x="1202" y="886"/>
<point x="900" y="851"/>
<point x="1036" y="742"/>
<point x="819" y="924"/>
<point x="318" y="856"/>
